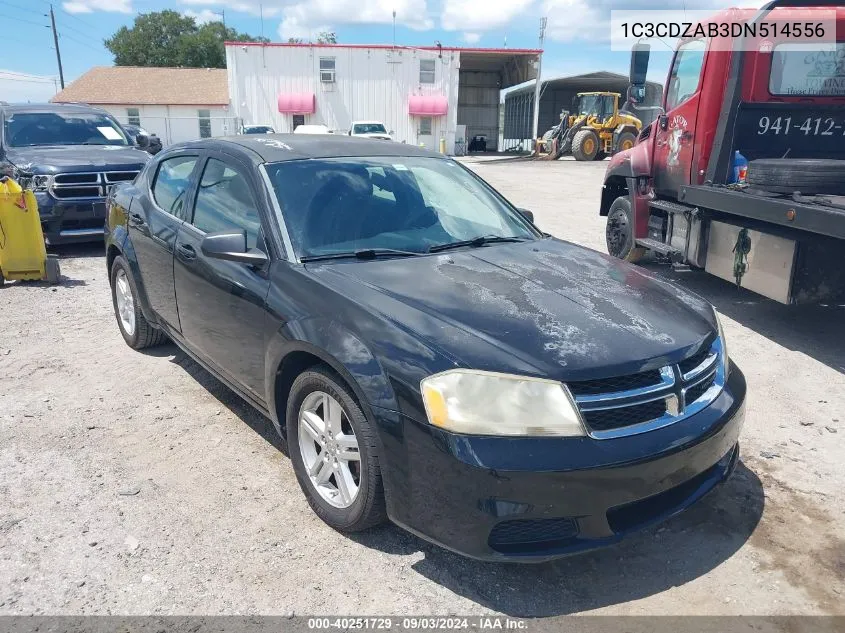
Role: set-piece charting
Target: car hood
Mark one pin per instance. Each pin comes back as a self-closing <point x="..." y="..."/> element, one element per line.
<point x="547" y="307"/>
<point x="378" y="135"/>
<point x="64" y="158"/>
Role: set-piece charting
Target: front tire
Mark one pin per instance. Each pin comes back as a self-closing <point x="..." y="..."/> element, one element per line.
<point x="136" y="330"/>
<point x="334" y="452"/>
<point x="619" y="232"/>
<point x="585" y="145"/>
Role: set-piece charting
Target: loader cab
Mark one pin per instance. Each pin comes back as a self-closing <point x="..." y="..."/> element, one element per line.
<point x="601" y="105"/>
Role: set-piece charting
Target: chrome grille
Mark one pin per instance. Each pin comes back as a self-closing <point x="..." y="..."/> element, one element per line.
<point x="75" y="186"/>
<point x="627" y="405"/>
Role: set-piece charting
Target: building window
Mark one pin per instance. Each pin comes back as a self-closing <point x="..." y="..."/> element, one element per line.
<point x="205" y="123"/>
<point x="327" y="70"/>
<point x="133" y="116"/>
<point x="425" y="126"/>
<point x="427" y="71"/>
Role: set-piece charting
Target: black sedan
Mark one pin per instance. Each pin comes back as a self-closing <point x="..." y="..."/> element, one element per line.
<point x="428" y="354"/>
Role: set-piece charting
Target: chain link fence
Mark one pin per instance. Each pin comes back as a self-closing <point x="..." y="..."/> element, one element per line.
<point x="173" y="129"/>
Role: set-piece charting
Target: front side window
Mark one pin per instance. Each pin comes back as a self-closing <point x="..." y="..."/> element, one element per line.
<point x="205" y="123"/>
<point x="133" y="116"/>
<point x="225" y="202"/>
<point x="797" y="71"/>
<point x="686" y="73"/>
<point x="172" y="182"/>
<point x="427" y="69"/>
<point x="32" y="129"/>
<point x="339" y="205"/>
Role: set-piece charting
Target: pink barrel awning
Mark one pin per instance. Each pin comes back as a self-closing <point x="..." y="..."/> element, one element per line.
<point x="297" y="103"/>
<point x="428" y="105"/>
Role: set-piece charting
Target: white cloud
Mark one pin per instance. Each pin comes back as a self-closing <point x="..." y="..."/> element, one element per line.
<point x="480" y="15"/>
<point x="472" y="38"/>
<point x="255" y="8"/>
<point x="203" y="16"/>
<point x="89" y="6"/>
<point x="307" y="17"/>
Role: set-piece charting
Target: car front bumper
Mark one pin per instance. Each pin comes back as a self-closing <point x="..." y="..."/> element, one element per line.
<point x="535" y="499"/>
<point x="71" y="221"/>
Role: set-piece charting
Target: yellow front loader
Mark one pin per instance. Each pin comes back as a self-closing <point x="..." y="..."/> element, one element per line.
<point x="23" y="255"/>
<point x="595" y="128"/>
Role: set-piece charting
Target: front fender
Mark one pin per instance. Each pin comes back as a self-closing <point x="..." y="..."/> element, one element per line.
<point x="339" y="348"/>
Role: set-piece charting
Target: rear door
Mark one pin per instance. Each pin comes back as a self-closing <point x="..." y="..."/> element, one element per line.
<point x="154" y="221"/>
<point x="221" y="303"/>
<point x="675" y="136"/>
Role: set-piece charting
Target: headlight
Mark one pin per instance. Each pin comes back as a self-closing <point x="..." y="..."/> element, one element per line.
<point x="724" y="360"/>
<point x="41" y="182"/>
<point x="487" y="403"/>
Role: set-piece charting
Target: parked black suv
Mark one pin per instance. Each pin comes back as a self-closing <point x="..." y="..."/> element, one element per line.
<point x="69" y="155"/>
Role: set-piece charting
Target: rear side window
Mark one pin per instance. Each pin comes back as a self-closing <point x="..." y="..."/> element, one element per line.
<point x="172" y="182"/>
<point x="225" y="202"/>
<point x="686" y="73"/>
<point x="797" y="71"/>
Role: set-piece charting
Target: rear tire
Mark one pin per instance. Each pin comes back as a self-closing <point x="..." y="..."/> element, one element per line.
<point x="342" y="511"/>
<point x="585" y="145"/>
<point x="135" y="329"/>
<point x="625" y="141"/>
<point x="808" y="175"/>
<point x="619" y="232"/>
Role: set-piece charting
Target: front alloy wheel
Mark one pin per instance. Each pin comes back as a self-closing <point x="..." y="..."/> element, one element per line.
<point x="329" y="449"/>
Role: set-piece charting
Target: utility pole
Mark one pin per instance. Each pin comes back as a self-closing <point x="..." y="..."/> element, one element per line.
<point x="261" y="13"/>
<point x="537" y="82"/>
<point x="394" y="28"/>
<point x="56" y="42"/>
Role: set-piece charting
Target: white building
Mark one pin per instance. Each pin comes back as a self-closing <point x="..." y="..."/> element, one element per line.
<point x="176" y="104"/>
<point x="421" y="94"/>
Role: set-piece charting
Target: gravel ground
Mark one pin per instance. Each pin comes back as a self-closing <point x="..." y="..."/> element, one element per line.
<point x="135" y="483"/>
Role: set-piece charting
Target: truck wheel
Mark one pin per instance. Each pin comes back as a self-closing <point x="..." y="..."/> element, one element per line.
<point x="135" y="329"/>
<point x="585" y="145"/>
<point x="807" y="175"/>
<point x="624" y="141"/>
<point x="53" y="269"/>
<point x="619" y="232"/>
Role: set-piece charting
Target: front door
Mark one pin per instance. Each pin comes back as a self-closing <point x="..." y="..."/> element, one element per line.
<point x="221" y="303"/>
<point x="675" y="130"/>
<point x="425" y="133"/>
<point x="154" y="221"/>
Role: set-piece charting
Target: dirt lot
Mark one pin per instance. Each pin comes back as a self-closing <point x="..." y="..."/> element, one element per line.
<point x="135" y="483"/>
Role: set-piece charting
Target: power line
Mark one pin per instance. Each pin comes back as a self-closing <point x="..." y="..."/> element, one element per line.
<point x="12" y="17"/>
<point x="20" y="7"/>
<point x="78" y="41"/>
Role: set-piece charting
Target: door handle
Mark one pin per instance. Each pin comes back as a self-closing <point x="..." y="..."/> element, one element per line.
<point x="186" y="251"/>
<point x="137" y="218"/>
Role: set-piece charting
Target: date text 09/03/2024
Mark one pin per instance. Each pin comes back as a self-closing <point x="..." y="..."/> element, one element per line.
<point x="415" y="623"/>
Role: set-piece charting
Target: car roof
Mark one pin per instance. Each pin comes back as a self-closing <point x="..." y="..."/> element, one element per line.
<point x="274" y="148"/>
<point x="49" y="107"/>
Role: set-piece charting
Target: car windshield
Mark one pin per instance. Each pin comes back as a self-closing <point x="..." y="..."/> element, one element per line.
<point x="27" y="129"/>
<point x="368" y="128"/>
<point x="414" y="204"/>
<point x="258" y="129"/>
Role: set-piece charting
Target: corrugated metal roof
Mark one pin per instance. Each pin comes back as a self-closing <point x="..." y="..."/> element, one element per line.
<point x="134" y="85"/>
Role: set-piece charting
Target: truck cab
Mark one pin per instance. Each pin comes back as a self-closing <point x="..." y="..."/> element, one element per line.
<point x="69" y="155"/>
<point x="776" y="103"/>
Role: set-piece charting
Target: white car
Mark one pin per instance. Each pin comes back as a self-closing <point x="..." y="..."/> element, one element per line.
<point x="312" y="129"/>
<point x="370" y="129"/>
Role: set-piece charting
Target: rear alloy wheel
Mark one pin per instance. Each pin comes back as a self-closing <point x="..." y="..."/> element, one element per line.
<point x="334" y="452"/>
<point x="135" y="329"/>
<point x="585" y="145"/>
<point x="619" y="232"/>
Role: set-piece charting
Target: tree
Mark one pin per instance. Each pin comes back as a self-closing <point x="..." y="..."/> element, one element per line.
<point x="326" y="37"/>
<point x="167" y="38"/>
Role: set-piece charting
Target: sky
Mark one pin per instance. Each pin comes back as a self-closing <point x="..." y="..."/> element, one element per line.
<point x="577" y="34"/>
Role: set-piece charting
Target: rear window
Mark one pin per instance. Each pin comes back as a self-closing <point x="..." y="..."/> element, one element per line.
<point x="799" y="72"/>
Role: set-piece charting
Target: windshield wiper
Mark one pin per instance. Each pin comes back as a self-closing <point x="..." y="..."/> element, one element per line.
<point x="481" y="240"/>
<point x="366" y="253"/>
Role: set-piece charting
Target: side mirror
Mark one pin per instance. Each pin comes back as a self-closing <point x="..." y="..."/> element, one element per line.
<point x="231" y="246"/>
<point x="639" y="69"/>
<point x="528" y="215"/>
<point x="143" y="141"/>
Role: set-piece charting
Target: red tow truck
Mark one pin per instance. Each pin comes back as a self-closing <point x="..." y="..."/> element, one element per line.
<point x="781" y="232"/>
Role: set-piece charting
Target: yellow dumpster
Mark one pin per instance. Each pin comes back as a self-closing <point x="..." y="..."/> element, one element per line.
<point x="22" y="252"/>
